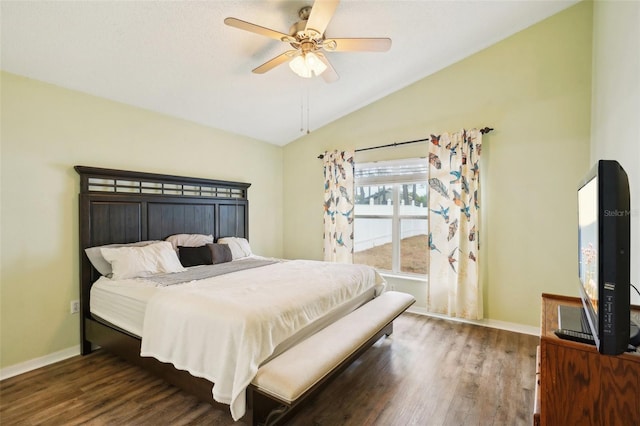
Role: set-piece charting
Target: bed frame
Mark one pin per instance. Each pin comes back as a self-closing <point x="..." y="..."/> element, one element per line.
<point x="119" y="206"/>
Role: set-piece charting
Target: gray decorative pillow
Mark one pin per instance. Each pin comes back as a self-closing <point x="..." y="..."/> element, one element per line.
<point x="220" y="253"/>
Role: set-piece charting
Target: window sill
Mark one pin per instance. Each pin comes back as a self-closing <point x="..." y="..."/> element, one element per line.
<point x="420" y="278"/>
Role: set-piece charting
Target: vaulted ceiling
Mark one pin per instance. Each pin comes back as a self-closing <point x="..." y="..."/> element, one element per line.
<point x="179" y="58"/>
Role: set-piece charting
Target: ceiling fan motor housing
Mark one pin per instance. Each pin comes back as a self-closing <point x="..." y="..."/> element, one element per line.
<point x="304" y="13"/>
<point x="308" y="39"/>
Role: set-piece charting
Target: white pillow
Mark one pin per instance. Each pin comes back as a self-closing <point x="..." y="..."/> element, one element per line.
<point x="100" y="263"/>
<point x="189" y="240"/>
<point x="132" y="262"/>
<point x="244" y="245"/>
<point x="239" y="246"/>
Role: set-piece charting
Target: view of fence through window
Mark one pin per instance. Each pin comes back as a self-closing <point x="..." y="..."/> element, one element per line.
<point x="391" y="228"/>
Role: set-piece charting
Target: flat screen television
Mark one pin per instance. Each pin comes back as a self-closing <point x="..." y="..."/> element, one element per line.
<point x="604" y="222"/>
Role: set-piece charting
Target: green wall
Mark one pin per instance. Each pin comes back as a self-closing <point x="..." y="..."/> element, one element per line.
<point x="47" y="130"/>
<point x="534" y="89"/>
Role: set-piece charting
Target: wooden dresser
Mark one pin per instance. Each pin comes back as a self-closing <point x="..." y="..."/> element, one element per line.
<point x="579" y="386"/>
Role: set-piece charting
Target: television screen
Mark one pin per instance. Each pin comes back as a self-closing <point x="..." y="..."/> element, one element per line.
<point x="588" y="240"/>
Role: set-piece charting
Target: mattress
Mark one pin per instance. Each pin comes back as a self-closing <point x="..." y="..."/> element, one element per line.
<point x="123" y="304"/>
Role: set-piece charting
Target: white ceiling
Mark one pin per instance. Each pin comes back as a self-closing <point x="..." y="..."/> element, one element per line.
<point x="178" y="57"/>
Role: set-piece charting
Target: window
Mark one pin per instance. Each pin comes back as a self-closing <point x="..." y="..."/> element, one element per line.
<point x="391" y="215"/>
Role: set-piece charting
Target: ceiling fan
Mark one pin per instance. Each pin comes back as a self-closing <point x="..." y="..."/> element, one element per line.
<point x="308" y="41"/>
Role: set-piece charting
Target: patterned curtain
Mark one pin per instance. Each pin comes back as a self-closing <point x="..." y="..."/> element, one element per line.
<point x="338" y="206"/>
<point x="454" y="182"/>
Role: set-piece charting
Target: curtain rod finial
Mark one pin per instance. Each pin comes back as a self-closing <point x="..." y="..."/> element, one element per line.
<point x="486" y="130"/>
<point x="321" y="156"/>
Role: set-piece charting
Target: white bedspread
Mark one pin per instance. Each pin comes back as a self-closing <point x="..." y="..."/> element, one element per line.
<point x="224" y="327"/>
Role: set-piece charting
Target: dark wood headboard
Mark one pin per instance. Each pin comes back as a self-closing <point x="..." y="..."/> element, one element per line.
<point x="119" y="206"/>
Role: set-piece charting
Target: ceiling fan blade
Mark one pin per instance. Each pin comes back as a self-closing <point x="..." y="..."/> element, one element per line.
<point x="321" y="13"/>
<point x="272" y="63"/>
<point x="247" y="26"/>
<point x="329" y="75"/>
<point x="357" y="44"/>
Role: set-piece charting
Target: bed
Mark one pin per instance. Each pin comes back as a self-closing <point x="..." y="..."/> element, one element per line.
<point x="125" y="315"/>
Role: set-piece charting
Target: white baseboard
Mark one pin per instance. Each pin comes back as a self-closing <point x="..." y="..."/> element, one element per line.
<point x="502" y="325"/>
<point x="36" y="363"/>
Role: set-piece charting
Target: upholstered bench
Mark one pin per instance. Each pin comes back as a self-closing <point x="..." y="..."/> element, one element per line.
<point x="282" y="383"/>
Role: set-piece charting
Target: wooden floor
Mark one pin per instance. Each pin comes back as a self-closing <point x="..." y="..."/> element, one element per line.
<point x="429" y="372"/>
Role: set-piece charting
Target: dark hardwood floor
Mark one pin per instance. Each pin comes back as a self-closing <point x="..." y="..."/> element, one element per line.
<point x="429" y="372"/>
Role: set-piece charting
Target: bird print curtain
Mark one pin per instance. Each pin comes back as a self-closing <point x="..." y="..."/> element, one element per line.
<point x="338" y="206"/>
<point x="454" y="182"/>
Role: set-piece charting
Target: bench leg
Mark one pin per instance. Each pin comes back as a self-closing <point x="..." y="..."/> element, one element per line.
<point x="388" y="329"/>
<point x="264" y="410"/>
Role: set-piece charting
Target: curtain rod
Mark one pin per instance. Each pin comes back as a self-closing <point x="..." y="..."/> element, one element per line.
<point x="484" y="131"/>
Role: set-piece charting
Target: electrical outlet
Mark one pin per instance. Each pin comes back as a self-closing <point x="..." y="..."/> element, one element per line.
<point x="75" y="306"/>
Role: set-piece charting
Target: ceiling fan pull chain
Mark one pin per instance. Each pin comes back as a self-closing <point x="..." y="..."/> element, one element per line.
<point x="308" y="131"/>
<point x="301" y="110"/>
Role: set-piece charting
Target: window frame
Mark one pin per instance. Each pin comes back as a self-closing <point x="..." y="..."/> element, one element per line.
<point x="396" y="183"/>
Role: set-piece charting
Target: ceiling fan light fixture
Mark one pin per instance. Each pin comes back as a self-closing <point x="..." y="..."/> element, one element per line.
<point x="307" y="64"/>
<point x="299" y="66"/>
<point x="314" y="63"/>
